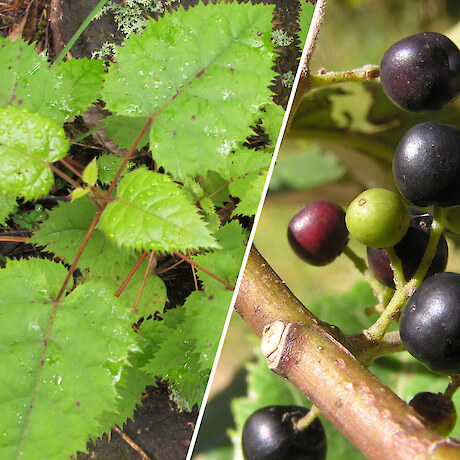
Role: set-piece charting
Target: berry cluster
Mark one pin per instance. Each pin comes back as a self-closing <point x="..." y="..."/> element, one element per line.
<point x="419" y="73"/>
<point x="406" y="247"/>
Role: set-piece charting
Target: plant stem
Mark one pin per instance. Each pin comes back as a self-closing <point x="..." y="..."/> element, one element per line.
<point x="128" y="155"/>
<point x="101" y="208"/>
<point x="308" y="353"/>
<point x="378" y="289"/>
<point x="303" y="423"/>
<point x="403" y="292"/>
<point x="229" y="286"/>
<point x="79" y="253"/>
<point x="452" y="387"/>
<point x="131" y="273"/>
<point x="364" y="74"/>
<point x="304" y="84"/>
<point x="152" y="261"/>
<point x="358" y="262"/>
<point x="396" y="265"/>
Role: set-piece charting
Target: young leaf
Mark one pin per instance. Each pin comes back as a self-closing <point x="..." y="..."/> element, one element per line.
<point x="60" y="362"/>
<point x="57" y="93"/>
<point x="28" y="143"/>
<point x="78" y="192"/>
<point x="208" y="69"/>
<point x="91" y="173"/>
<point x="151" y="212"/>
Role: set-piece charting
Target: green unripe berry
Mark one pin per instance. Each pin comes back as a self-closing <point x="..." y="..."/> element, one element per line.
<point x="377" y="218"/>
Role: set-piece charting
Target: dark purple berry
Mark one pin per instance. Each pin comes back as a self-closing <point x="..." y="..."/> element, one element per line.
<point x="317" y="233"/>
<point x="438" y="411"/>
<point x="421" y="73"/>
<point x="426" y="165"/>
<point x="410" y="250"/>
<point x="270" y="433"/>
<point x="430" y="323"/>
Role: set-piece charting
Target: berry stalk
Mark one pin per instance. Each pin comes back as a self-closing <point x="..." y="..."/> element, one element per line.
<point x="376" y="332"/>
<point x="363" y="74"/>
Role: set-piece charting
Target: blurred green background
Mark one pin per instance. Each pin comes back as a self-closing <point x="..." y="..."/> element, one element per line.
<point x="341" y="142"/>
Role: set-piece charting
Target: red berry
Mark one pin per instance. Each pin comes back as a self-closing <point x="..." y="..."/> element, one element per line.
<point x="318" y="234"/>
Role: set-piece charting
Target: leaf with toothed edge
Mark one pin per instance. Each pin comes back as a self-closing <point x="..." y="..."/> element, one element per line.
<point x="62" y="358"/>
<point x="64" y="232"/>
<point x="210" y="87"/>
<point x="28" y="144"/>
<point x="181" y="348"/>
<point x="151" y="212"/>
<point x="226" y="262"/>
<point x="57" y="92"/>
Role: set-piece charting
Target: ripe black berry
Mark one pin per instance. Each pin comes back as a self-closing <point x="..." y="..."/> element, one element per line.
<point x="437" y="410"/>
<point x="430" y="323"/>
<point x="410" y="250"/>
<point x="426" y="165"/>
<point x="422" y="72"/>
<point x="270" y="433"/>
<point x="317" y="233"/>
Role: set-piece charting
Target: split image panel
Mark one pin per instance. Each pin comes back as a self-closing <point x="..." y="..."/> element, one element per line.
<point x="341" y="141"/>
<point x="135" y="145"/>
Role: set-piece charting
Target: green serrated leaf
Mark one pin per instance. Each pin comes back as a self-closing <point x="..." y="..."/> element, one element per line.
<point x="184" y="344"/>
<point x="151" y="212"/>
<point x="91" y="173"/>
<point x="210" y="216"/>
<point x="60" y="362"/>
<point x="28" y="143"/>
<point x="64" y="232"/>
<point x="204" y="320"/>
<point x="124" y="130"/>
<point x="108" y="165"/>
<point x="216" y="186"/>
<point x="76" y="84"/>
<point x="193" y="189"/>
<point x="248" y="189"/>
<point x="226" y="262"/>
<point x="130" y="388"/>
<point x="272" y="118"/>
<point x="8" y="205"/>
<point x="57" y="92"/>
<point x="170" y="354"/>
<point x="248" y="172"/>
<point x="207" y="84"/>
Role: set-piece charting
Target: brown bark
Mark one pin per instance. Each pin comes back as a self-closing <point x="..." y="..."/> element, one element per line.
<point x="307" y="352"/>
